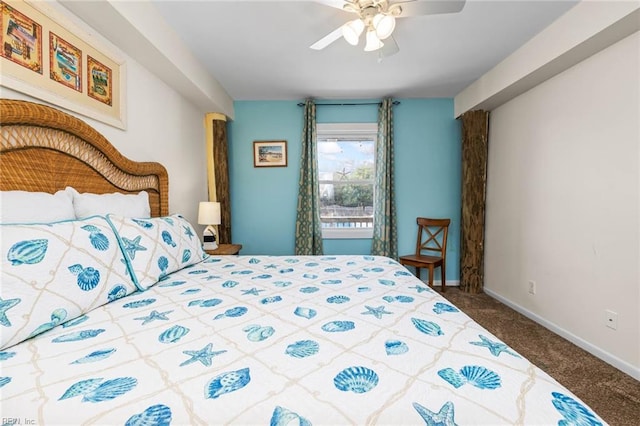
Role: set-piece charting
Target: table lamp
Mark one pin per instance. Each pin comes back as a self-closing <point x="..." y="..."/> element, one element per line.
<point x="209" y="214"/>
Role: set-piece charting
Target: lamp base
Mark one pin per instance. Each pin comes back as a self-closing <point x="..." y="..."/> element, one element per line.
<point x="210" y="246"/>
<point x="209" y="238"/>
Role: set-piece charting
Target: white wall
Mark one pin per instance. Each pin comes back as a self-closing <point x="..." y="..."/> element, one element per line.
<point x="563" y="203"/>
<point x="139" y="30"/>
<point x="586" y="28"/>
<point x="162" y="127"/>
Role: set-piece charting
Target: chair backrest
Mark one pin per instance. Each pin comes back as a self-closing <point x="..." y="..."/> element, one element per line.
<point x="432" y="236"/>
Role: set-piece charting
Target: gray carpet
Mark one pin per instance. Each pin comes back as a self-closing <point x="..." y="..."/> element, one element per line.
<point x="613" y="395"/>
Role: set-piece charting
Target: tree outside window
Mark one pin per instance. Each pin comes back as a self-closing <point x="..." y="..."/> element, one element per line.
<point x="346" y="181"/>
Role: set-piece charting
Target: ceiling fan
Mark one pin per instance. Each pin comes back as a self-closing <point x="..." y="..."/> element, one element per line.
<point x="378" y="18"/>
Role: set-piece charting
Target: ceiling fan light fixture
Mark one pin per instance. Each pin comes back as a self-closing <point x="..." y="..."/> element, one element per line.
<point x="351" y="31"/>
<point x="373" y="42"/>
<point x="384" y="25"/>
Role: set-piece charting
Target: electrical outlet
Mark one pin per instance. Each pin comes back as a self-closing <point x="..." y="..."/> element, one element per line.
<point x="532" y="287"/>
<point x="611" y="319"/>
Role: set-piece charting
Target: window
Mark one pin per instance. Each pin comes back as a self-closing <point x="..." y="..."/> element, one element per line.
<point x="346" y="171"/>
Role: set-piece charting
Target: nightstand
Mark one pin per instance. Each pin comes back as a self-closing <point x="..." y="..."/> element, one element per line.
<point x="225" y="249"/>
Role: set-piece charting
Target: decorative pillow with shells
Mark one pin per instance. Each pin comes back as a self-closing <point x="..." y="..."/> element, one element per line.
<point x="156" y="247"/>
<point x="54" y="273"/>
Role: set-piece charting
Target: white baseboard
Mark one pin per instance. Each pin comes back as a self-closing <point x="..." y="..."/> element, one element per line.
<point x="593" y="350"/>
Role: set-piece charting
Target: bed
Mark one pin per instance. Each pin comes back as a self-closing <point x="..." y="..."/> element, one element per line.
<point x="115" y="320"/>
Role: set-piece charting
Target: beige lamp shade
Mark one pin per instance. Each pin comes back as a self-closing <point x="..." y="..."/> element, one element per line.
<point x="209" y="213"/>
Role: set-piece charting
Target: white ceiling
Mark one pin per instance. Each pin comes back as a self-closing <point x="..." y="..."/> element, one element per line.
<point x="259" y="50"/>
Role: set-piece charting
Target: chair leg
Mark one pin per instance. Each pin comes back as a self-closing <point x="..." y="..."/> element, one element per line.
<point x="430" y="276"/>
<point x="418" y="272"/>
<point x="443" y="275"/>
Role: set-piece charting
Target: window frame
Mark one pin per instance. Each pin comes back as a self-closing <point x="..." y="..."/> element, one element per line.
<point x="346" y="130"/>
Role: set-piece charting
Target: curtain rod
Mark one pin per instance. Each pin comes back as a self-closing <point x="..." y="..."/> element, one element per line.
<point x="300" y="104"/>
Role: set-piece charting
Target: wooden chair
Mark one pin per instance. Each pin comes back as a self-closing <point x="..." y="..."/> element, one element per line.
<point x="432" y="239"/>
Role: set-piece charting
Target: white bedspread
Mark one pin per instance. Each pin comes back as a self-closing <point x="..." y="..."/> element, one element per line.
<point x="279" y="340"/>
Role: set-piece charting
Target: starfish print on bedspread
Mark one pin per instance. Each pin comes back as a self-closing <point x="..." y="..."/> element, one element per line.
<point x="204" y="355"/>
<point x="496" y="348"/>
<point x="376" y="312"/>
<point x="254" y="291"/>
<point x="154" y="315"/>
<point x="444" y="417"/>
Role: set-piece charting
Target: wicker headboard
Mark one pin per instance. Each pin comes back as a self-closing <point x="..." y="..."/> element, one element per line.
<point x="44" y="149"/>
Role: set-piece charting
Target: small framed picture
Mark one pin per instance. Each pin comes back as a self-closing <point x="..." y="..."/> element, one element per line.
<point x="270" y="154"/>
<point x="21" y="38"/>
<point x="99" y="81"/>
<point x="65" y="62"/>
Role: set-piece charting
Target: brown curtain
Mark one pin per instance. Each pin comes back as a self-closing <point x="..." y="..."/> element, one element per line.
<point x="475" y="143"/>
<point x="218" y="171"/>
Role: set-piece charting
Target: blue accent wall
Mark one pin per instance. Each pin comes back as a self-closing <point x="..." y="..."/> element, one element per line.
<point x="264" y="200"/>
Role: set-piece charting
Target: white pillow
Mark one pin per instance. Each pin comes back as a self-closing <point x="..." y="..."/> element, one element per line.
<point x="128" y="205"/>
<point x="36" y="207"/>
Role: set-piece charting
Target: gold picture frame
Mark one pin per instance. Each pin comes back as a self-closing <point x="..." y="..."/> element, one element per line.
<point x="99" y="80"/>
<point x="21" y="38"/>
<point x="270" y="154"/>
<point x="77" y="71"/>
<point x="65" y="62"/>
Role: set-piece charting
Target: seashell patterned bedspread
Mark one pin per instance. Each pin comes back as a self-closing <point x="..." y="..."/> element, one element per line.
<point x="279" y="340"/>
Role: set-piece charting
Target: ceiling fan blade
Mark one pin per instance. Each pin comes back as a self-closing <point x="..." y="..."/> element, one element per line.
<point x="429" y="7"/>
<point x="328" y="39"/>
<point x="338" y="4"/>
<point x="390" y="48"/>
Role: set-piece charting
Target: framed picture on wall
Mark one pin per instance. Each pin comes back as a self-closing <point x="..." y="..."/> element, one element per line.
<point x="76" y="71"/>
<point x="65" y="62"/>
<point x="21" y="38"/>
<point x="270" y="154"/>
<point x="100" y="81"/>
